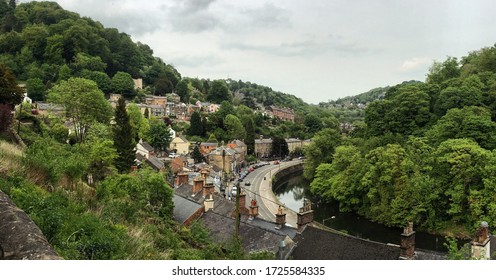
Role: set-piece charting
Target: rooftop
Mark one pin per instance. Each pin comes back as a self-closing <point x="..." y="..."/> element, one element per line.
<point x="184" y="208"/>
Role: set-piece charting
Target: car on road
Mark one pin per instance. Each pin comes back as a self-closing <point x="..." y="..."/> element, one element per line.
<point x="247" y="183"/>
<point x="276" y="162"/>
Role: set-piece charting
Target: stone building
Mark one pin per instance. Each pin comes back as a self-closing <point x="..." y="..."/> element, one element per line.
<point x="263" y="147"/>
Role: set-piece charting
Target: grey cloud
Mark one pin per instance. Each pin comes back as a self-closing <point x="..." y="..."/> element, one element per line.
<point x="303" y="48"/>
<point x="194" y="6"/>
<point x="307" y="48"/>
<point x="342" y="45"/>
<point x="197" y="60"/>
<point x="267" y="16"/>
<point x="192" y="16"/>
<point x="127" y="16"/>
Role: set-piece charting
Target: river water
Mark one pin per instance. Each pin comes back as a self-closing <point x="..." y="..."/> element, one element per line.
<point x="292" y="190"/>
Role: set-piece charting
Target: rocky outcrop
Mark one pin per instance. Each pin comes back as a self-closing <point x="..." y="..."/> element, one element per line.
<point x="20" y="238"/>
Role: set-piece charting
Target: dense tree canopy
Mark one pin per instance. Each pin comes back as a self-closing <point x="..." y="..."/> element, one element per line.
<point x="84" y="103"/>
<point x="425" y="153"/>
<point x="41" y="35"/>
<point x="10" y="92"/>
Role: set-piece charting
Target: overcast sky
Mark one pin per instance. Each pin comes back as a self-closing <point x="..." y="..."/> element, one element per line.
<point x="318" y="50"/>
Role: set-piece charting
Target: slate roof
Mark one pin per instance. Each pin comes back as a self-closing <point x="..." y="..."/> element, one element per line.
<point x="147" y="146"/>
<point x="263" y="141"/>
<point x="218" y="151"/>
<point x="184" y="208"/>
<point x="239" y="143"/>
<point x="317" y="244"/>
<point x="253" y="238"/>
<point x="222" y="206"/>
<point x="207" y="144"/>
<point x="421" y="254"/>
<point x="155" y="163"/>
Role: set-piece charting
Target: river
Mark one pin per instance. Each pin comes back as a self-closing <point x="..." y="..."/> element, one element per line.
<point x="294" y="189"/>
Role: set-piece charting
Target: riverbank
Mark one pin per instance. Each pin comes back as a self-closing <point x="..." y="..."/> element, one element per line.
<point x="291" y="189"/>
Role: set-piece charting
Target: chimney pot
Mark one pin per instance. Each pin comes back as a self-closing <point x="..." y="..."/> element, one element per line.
<point x="408" y="242"/>
<point x="280" y="218"/>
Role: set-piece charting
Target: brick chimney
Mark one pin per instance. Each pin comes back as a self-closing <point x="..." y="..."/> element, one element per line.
<point x="305" y="215"/>
<point x="253" y="209"/>
<point x="242" y="203"/>
<point x="480" y="245"/>
<point x="209" y="203"/>
<point x="407" y="243"/>
<point x="208" y="189"/>
<point x="182" y="178"/>
<point x="197" y="185"/>
<point x="280" y="218"/>
<point x="204" y="174"/>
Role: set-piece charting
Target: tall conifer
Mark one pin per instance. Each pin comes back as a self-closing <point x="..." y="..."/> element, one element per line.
<point x="123" y="138"/>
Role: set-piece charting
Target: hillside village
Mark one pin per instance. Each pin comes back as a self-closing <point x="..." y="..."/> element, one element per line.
<point x="112" y="154"/>
<point x="170" y="107"/>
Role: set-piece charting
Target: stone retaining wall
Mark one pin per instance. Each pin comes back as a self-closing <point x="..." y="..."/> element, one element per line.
<point x="20" y="237"/>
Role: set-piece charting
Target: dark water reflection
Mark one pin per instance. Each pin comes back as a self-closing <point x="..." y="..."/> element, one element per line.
<point x="293" y="190"/>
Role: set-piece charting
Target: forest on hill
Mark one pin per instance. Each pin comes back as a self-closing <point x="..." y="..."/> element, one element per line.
<point x="425" y="153"/>
<point x="43" y="44"/>
<point x="419" y="151"/>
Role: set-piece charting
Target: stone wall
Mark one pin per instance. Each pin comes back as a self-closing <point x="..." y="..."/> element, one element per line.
<point x="287" y="171"/>
<point x="20" y="238"/>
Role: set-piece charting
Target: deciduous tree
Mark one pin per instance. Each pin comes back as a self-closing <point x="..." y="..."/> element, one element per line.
<point x="84" y="103"/>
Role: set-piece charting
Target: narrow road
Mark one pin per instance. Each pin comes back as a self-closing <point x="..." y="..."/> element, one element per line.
<point x="260" y="188"/>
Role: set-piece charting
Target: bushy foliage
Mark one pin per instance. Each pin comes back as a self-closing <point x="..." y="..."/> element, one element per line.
<point x="425" y="154"/>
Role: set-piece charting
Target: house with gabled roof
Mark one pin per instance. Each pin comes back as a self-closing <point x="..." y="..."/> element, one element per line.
<point x="223" y="158"/>
<point x="207" y="147"/>
<point x="180" y="144"/>
<point x="145" y="149"/>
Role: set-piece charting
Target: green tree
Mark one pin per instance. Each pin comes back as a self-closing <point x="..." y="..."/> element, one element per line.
<point x="196" y="127"/>
<point x="84" y="103"/>
<point x="147" y="113"/>
<point x="59" y="132"/>
<point x="36" y="89"/>
<point x="461" y="173"/>
<point x="10" y="92"/>
<point x="279" y="147"/>
<point x="341" y="180"/>
<point x="135" y="117"/>
<point x="197" y="156"/>
<point x="84" y="61"/>
<point x="320" y="150"/>
<point x="234" y="128"/>
<point x="440" y="72"/>
<point x="100" y="78"/>
<point x="123" y="83"/>
<point x="65" y="73"/>
<point x="469" y="122"/>
<point x="123" y="138"/>
<point x="159" y="136"/>
<point x="250" y="135"/>
<point x="5" y="117"/>
<point x="313" y="123"/>
<point x="219" y="92"/>
<point x="182" y="89"/>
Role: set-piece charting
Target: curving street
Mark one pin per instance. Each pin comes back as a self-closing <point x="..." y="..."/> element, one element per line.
<point x="260" y="188"/>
